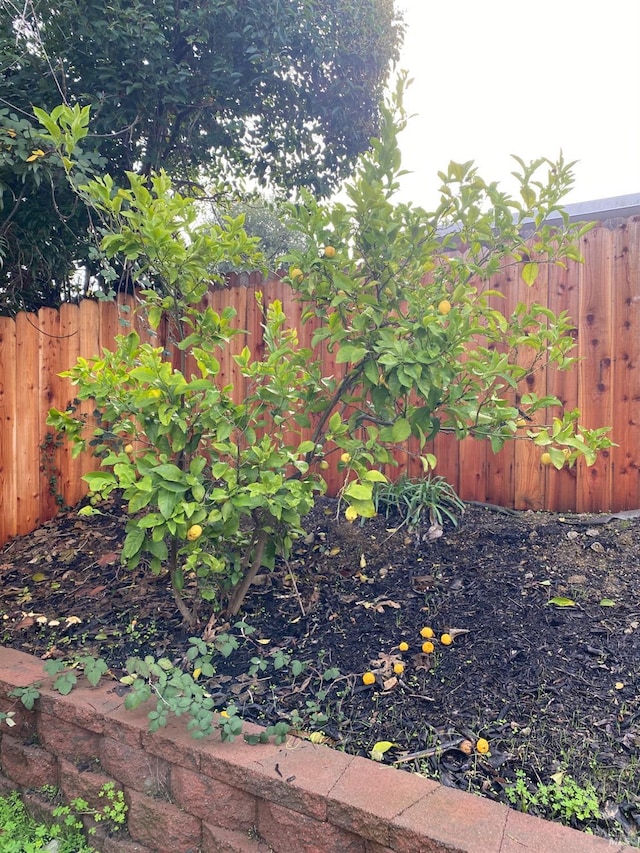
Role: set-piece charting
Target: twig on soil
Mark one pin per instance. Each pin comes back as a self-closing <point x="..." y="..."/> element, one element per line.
<point x="433" y="750"/>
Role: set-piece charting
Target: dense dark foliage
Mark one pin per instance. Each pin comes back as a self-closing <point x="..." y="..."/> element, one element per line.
<point x="287" y="92"/>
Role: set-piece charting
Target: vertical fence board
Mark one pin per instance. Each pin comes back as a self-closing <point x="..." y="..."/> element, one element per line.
<point x="626" y="374"/>
<point x="499" y="487"/>
<point x="89" y="333"/>
<point x="70" y="469"/>
<point x="27" y="446"/>
<point x="560" y="488"/>
<point x="594" y="346"/>
<point x="50" y="385"/>
<point x="9" y="425"/>
<point x="529" y="473"/>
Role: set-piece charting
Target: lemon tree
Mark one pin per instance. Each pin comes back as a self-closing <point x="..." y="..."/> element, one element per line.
<point x="217" y="489"/>
<point x="405" y="304"/>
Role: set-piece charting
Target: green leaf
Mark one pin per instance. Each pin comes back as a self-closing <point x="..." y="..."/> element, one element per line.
<point x="374" y="476"/>
<point x="559" y="601"/>
<point x="607" y="602"/>
<point x="169" y="472"/>
<point x="530" y="273"/>
<point x="401" y="430"/>
<point x="358" y="491"/>
<point x="350" y="354"/>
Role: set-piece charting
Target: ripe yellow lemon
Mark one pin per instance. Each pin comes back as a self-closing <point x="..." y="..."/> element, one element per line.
<point x="444" y="307"/>
<point x="346" y="458"/>
<point x="194" y="532"/>
<point x="446" y="639"/>
<point x="482" y="745"/>
<point x="368" y="678"/>
<point x="427" y="633"/>
<point x="128" y="448"/>
<point x="428" y="647"/>
<point x="404" y="647"/>
<point x="329" y="252"/>
<point x="296" y="274"/>
<point x="545" y="458"/>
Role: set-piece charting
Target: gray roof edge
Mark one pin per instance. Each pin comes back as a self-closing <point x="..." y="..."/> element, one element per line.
<point x="621" y="206"/>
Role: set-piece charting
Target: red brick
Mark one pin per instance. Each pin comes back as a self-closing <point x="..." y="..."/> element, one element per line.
<point x="448" y="819"/>
<point x="68" y="740"/>
<point x="127" y="725"/>
<point x="24" y="722"/>
<point x="533" y="835"/>
<point x="7" y="786"/>
<point x="174" y="744"/>
<point x="211" y="800"/>
<point x="237" y="762"/>
<point x="263" y="770"/>
<point x="29" y="766"/>
<point x="299" y="776"/>
<point x="215" y="839"/>
<point x="291" y="832"/>
<point x="119" y="842"/>
<point x="368" y="796"/>
<point x="162" y="826"/>
<point x="85" y="706"/>
<point x="39" y="807"/>
<point x="18" y="669"/>
<point x="135" y="768"/>
<point x="372" y="847"/>
<point x="87" y="784"/>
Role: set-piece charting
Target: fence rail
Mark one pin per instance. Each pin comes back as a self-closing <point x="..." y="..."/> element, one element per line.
<point x="602" y="296"/>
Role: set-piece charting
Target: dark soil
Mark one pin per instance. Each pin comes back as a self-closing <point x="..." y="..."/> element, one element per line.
<point x="554" y="689"/>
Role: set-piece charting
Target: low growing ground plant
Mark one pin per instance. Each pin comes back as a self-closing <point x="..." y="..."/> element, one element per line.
<point x="562" y="799"/>
<point x="21" y="833"/>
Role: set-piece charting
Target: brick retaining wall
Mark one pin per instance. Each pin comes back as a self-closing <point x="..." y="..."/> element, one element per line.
<point x="205" y="796"/>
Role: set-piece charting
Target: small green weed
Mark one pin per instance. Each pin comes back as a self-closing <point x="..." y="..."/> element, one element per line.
<point x="564" y="799"/>
<point x="20" y="833"/>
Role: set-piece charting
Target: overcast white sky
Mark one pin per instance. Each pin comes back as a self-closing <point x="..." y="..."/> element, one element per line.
<point x="503" y="77"/>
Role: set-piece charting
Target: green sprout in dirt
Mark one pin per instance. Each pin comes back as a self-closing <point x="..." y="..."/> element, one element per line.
<point x="563" y="799"/>
<point x="218" y="475"/>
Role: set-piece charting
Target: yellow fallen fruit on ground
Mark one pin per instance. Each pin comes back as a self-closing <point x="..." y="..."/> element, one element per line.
<point x="194" y="532"/>
<point x="427" y="633"/>
<point x="428" y="647"/>
<point x="482" y="746"/>
<point x="404" y="647"/>
<point x="368" y="678"/>
<point x="398" y="668"/>
<point x="444" y="307"/>
<point x="446" y="639"/>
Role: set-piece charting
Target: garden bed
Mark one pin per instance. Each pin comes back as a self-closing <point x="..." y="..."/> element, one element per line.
<point x="544" y="616"/>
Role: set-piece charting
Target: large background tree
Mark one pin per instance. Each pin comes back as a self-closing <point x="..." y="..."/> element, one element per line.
<point x="287" y="92"/>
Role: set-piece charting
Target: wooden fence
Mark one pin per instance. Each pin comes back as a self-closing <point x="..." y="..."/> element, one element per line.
<point x="602" y="297"/>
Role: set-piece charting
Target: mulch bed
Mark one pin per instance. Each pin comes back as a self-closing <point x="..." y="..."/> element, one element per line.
<point x="553" y="687"/>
